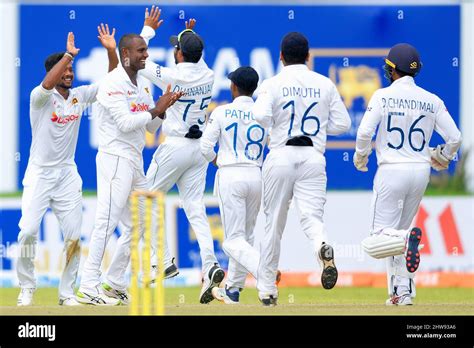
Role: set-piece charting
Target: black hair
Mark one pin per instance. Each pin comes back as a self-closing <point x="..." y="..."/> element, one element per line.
<point x="192" y="58"/>
<point x="52" y="60"/>
<point x="125" y="42"/>
<point x="244" y="92"/>
<point x="294" y="48"/>
<point x="402" y="73"/>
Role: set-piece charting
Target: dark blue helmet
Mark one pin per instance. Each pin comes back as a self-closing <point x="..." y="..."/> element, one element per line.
<point x="405" y="58"/>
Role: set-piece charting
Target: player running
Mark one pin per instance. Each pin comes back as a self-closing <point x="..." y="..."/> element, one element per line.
<point x="51" y="177"/>
<point x="406" y="116"/>
<point x="239" y="180"/>
<point x="301" y="107"/>
<point x="178" y="160"/>
<point x="125" y="111"/>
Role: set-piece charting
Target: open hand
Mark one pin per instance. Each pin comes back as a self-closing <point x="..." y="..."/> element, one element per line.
<point x="190" y="24"/>
<point x="106" y="39"/>
<point x="167" y="99"/>
<point x="152" y="18"/>
<point x="70" y="47"/>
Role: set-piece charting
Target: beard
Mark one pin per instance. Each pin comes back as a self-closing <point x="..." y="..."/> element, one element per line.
<point x="62" y="85"/>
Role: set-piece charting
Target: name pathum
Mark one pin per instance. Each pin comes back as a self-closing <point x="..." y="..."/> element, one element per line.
<point x="37" y="331"/>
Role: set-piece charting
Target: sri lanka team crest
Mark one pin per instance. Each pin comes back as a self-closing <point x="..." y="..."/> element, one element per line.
<point x="140" y="107"/>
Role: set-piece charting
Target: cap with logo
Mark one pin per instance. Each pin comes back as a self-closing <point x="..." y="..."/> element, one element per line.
<point x="188" y="42"/>
<point x="245" y="77"/>
<point x="405" y="58"/>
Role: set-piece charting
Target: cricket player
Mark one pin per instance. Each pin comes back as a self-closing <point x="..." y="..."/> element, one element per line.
<point x="239" y="180"/>
<point x="125" y="111"/>
<point x="51" y="178"/>
<point x="406" y="116"/>
<point x="178" y="160"/>
<point x="300" y="107"/>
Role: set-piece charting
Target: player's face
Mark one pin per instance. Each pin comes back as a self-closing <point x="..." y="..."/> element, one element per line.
<point x="178" y="56"/>
<point x="67" y="77"/>
<point x="137" y="54"/>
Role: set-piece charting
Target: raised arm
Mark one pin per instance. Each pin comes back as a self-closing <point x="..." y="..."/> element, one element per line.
<point x="108" y="41"/>
<point x="152" y="23"/>
<point x="53" y="77"/>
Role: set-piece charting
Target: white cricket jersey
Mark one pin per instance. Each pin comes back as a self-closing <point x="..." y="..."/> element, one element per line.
<point x="241" y="138"/>
<point x="297" y="102"/>
<point x="406" y="116"/>
<point x="55" y="124"/>
<point x="195" y="79"/>
<point x="123" y="115"/>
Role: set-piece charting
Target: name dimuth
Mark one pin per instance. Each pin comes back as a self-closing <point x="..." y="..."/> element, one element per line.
<point x="37" y="331"/>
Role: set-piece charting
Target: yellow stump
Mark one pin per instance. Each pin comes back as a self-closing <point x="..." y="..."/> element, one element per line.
<point x="142" y="222"/>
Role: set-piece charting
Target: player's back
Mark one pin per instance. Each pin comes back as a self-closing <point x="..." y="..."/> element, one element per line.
<point x="196" y="80"/>
<point x="302" y="105"/>
<point x="242" y="139"/>
<point x="408" y="118"/>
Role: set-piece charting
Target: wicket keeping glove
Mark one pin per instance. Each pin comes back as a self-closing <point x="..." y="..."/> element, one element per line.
<point x="360" y="161"/>
<point x="438" y="160"/>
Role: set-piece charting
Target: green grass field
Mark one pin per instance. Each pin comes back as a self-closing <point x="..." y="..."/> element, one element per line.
<point x="292" y="301"/>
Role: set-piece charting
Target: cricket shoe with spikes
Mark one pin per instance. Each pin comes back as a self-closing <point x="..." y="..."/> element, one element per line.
<point x="96" y="299"/>
<point x="224" y="295"/>
<point x="329" y="271"/>
<point x="69" y="302"/>
<point x="412" y="255"/>
<point x="25" y="298"/>
<point x="213" y="279"/>
<point x="115" y="293"/>
<point x="269" y="301"/>
<point x="402" y="300"/>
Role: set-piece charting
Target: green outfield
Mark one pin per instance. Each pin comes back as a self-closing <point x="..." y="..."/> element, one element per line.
<point x="292" y="301"/>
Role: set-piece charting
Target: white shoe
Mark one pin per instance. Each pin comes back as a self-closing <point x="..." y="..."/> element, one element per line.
<point x="114" y="293"/>
<point x="96" y="299"/>
<point x="70" y="301"/>
<point x="223" y="295"/>
<point x="402" y="300"/>
<point x="25" y="298"/>
<point x="212" y="279"/>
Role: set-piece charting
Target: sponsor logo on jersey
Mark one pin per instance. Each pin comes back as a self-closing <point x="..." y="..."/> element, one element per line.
<point x="138" y="107"/>
<point x="64" y="119"/>
<point x="74" y="101"/>
<point x="130" y="93"/>
<point x="147" y="90"/>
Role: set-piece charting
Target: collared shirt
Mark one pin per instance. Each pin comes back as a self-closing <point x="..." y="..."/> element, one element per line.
<point x="195" y="79"/>
<point x="406" y="116"/>
<point x="300" y="102"/>
<point x="55" y="124"/>
<point x="241" y="139"/>
<point x="123" y="116"/>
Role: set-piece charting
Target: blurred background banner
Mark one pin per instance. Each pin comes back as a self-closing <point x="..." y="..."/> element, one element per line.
<point x="348" y="44"/>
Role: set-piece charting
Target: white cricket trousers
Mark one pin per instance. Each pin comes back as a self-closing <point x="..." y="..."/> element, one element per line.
<point x="117" y="177"/>
<point x="398" y="190"/>
<point x="61" y="190"/>
<point x="239" y="189"/>
<point x="179" y="161"/>
<point x="290" y="173"/>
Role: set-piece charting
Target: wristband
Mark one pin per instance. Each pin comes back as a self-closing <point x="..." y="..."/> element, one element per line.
<point x="70" y="55"/>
